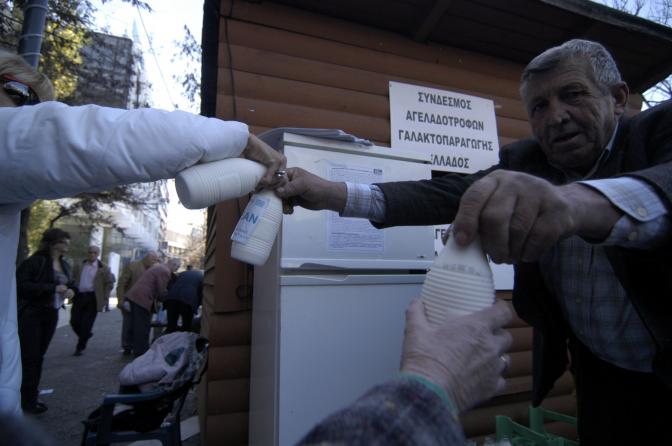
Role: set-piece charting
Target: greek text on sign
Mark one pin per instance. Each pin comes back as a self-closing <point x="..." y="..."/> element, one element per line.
<point x="457" y="130"/>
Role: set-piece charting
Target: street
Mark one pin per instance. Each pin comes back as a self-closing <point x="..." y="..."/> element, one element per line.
<point x="73" y="386"/>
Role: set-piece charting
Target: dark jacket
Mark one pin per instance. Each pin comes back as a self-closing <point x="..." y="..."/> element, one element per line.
<point x="642" y="149"/>
<point x="188" y="288"/>
<point x="35" y="283"/>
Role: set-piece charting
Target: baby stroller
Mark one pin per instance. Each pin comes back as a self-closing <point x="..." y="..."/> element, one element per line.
<point x="151" y="395"/>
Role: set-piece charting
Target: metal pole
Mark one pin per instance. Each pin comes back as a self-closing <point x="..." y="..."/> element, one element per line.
<point x="30" y="46"/>
<point x="30" y="42"/>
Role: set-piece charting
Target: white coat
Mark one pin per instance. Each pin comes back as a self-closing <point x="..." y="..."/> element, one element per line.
<point x="52" y="150"/>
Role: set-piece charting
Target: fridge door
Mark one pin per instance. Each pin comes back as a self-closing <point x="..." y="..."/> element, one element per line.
<point x="323" y="240"/>
<point x="338" y="335"/>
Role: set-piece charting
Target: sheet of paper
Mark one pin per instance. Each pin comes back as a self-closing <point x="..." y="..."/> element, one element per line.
<point x="354" y="234"/>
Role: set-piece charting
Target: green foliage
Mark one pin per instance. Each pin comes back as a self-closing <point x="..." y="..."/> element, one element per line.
<point x="67" y="26"/>
<point x="41" y="214"/>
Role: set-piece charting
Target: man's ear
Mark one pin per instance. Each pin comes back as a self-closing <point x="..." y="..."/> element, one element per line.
<point x="620" y="93"/>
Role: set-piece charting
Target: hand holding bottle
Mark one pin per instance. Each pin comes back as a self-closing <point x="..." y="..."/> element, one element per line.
<point x="463" y="356"/>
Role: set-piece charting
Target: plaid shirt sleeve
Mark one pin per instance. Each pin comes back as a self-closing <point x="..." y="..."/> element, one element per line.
<point x="645" y="222"/>
<point x="364" y="201"/>
<point x="399" y="412"/>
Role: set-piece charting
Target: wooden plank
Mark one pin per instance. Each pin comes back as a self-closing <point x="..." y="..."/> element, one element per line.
<point x="227" y="429"/>
<point x="513" y="128"/>
<point x="346" y="80"/>
<point x="232" y="328"/>
<point x="520" y="364"/>
<point x="309" y="94"/>
<point x="351" y="33"/>
<point x="522" y="339"/>
<point x="230" y="274"/>
<point x="273" y="114"/>
<point x="517" y="385"/>
<point x="229" y="362"/>
<point x="282" y="42"/>
<point x="228" y="396"/>
<point x="563" y="386"/>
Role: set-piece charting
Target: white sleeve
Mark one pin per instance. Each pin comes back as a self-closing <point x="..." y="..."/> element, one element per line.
<point x="52" y="150"/>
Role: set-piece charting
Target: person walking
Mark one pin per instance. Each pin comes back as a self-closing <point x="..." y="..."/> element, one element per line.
<point x="183" y="299"/>
<point x="129" y="276"/>
<point x="43" y="283"/>
<point x="94" y="283"/>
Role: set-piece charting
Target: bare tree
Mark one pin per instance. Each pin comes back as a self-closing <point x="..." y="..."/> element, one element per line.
<point x="190" y="55"/>
<point x="659" y="11"/>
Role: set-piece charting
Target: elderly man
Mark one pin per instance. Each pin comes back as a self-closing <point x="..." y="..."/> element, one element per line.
<point x="582" y="210"/>
<point x="142" y="296"/>
<point x="129" y="276"/>
<point x="94" y="282"/>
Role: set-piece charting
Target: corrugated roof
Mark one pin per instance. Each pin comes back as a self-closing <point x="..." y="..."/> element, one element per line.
<point x="516" y="30"/>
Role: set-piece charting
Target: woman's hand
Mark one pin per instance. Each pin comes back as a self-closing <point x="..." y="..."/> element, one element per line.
<point x="257" y="150"/>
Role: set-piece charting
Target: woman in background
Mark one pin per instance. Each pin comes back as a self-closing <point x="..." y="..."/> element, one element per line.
<point x="43" y="282"/>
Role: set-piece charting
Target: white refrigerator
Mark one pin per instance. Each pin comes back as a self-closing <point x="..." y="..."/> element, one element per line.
<point x="329" y="304"/>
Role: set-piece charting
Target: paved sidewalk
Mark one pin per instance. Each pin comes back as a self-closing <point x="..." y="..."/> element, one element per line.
<point x="78" y="383"/>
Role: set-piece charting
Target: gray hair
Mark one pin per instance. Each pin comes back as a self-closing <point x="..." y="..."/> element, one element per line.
<point x="14" y="65"/>
<point x="174" y="263"/>
<point x="604" y="70"/>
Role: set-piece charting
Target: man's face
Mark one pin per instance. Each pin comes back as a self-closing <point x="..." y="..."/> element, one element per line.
<point x="570" y="116"/>
<point x="62" y="246"/>
<point x="92" y="255"/>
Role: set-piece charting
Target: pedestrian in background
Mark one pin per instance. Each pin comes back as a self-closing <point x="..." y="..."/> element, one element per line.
<point x="43" y="282"/>
<point x="129" y="276"/>
<point x="183" y="299"/>
<point x="94" y="283"/>
<point x="141" y="297"/>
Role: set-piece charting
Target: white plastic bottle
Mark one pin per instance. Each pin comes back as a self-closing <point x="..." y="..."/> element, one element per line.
<point x="203" y="185"/>
<point x="458" y="283"/>
<point x="255" y="232"/>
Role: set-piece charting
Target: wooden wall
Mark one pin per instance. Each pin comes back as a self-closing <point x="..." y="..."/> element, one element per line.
<point x="279" y="66"/>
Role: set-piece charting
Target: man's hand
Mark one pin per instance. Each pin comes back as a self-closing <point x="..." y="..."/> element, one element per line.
<point x="257" y="150"/>
<point x="519" y="216"/>
<point x="311" y="192"/>
<point x="60" y="289"/>
<point x="69" y="294"/>
<point x="463" y="355"/>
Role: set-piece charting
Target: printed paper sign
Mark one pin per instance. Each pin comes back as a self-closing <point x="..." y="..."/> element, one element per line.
<point x="250" y="219"/>
<point x="458" y="131"/>
<point x="354" y="234"/>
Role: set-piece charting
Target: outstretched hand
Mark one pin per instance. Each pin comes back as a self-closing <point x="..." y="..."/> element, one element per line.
<point x="463" y="355"/>
<point x="311" y="192"/>
<point x="520" y="216"/>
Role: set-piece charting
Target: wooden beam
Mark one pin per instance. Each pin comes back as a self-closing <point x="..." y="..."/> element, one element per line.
<point x="428" y="25"/>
